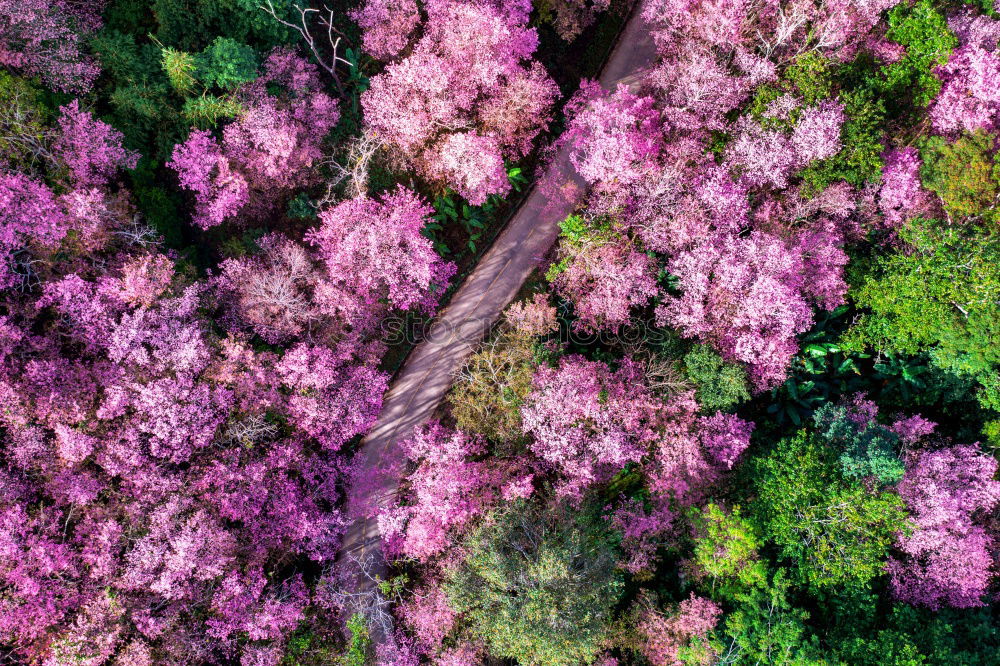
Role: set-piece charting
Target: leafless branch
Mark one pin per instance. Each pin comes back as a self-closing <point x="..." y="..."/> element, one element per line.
<point x="370" y="604"/>
<point x="333" y="35"/>
<point x="139" y="233"/>
<point x="250" y="430"/>
<point x="19" y="132"/>
<point x="354" y="167"/>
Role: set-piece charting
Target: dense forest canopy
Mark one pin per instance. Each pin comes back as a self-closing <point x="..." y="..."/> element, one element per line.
<point x="746" y="410"/>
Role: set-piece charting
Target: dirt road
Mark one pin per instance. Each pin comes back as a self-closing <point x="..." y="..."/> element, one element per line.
<point x="428" y="372"/>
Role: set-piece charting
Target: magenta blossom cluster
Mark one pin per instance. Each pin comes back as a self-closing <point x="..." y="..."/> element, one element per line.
<point x="947" y="559"/>
<point x="750" y="257"/>
<point x="155" y="474"/>
<point x="665" y="635"/>
<point x="968" y="100"/>
<point x="447" y="490"/>
<point x="273" y="146"/>
<point x="46" y="38"/>
<point x="467" y="95"/>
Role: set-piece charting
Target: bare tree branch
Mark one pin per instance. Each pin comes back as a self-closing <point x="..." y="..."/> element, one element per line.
<point x="333" y="35"/>
<point x="354" y="167"/>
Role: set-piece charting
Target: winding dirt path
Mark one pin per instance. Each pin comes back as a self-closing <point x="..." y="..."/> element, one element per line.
<point x="427" y="374"/>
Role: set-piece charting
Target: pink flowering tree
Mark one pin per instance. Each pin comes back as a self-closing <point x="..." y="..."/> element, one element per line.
<point x="43" y="38"/>
<point x="970" y="96"/>
<point x="277" y="140"/>
<point x="220" y="191"/>
<point x="816" y="135"/>
<point x="687" y="199"/>
<point x="430" y="617"/>
<point x="81" y="157"/>
<point x="32" y="216"/>
<point x="768" y="157"/>
<point x="274" y="293"/>
<point x="837" y="28"/>
<point x="332" y="400"/>
<point x="605" y="282"/>
<point x="446" y="491"/>
<point x="472" y="164"/>
<point x="684" y="631"/>
<point x="90" y="149"/>
<point x="534" y="317"/>
<point x="750" y="297"/>
<point x="946" y="560"/>
<point x="386" y="26"/>
<point x="693" y="454"/>
<point x="588" y="422"/>
<point x="372" y="251"/>
<point x="156" y="478"/>
<point x="762" y="157"/>
<point x="901" y="196"/>
<point x="37" y="568"/>
<point x="466" y="97"/>
<point x="614" y="136"/>
<point x="697" y="88"/>
<point x="272" y="147"/>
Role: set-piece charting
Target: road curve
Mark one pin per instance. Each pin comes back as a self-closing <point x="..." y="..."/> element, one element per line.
<point x="427" y="374"/>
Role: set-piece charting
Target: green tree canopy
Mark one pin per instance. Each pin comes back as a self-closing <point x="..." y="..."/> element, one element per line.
<point x="835" y="531"/>
<point x="539" y="584"/>
<point x="942" y="294"/>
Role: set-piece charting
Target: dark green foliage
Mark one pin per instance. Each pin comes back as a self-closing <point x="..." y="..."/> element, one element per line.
<point x="207" y="111"/>
<point x="243" y="244"/>
<point x="171" y="66"/>
<point x="831" y="366"/>
<point x="726" y="551"/>
<point x="811" y="76"/>
<point x="359" y="646"/>
<point x="859" y="160"/>
<point x="884" y="648"/>
<point x="539" y="584"/>
<point x="821" y="372"/>
<point x="160" y="207"/>
<point x="834" y="531"/>
<point x="766" y="628"/>
<point x="923" y="30"/>
<point x="300" y="207"/>
<point x="226" y="64"/>
<point x="909" y="635"/>
<point x="940" y="294"/>
<point x="190" y="25"/>
<point x="315" y="644"/>
<point x="719" y="385"/>
<point x="143" y="103"/>
<point x="471" y="222"/>
<point x="913" y="380"/>
<point x="865" y="450"/>
<point x="871" y="93"/>
<point x="119" y="56"/>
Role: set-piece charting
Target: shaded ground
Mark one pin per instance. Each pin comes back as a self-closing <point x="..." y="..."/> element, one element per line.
<point x="427" y="374"/>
